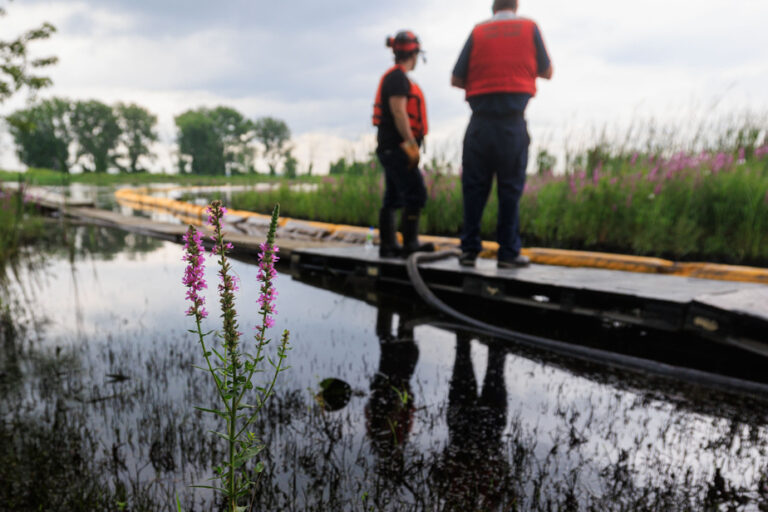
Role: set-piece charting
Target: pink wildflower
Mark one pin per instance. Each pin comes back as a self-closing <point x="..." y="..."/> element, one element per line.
<point x="266" y="276"/>
<point x="194" y="273"/>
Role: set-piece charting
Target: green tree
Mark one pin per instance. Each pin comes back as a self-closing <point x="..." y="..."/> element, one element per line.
<point x="290" y="166"/>
<point x="43" y="134"/>
<point x="16" y="67"/>
<point x="201" y="150"/>
<point x="137" y="127"/>
<point x="274" y="135"/>
<point x="211" y="139"/>
<point x="545" y="162"/>
<point x="97" y="133"/>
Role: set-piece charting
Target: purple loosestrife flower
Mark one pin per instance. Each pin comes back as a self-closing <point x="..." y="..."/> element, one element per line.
<point x="266" y="275"/>
<point x="572" y="183"/>
<point x="634" y="158"/>
<point x="193" y="274"/>
<point x="227" y="282"/>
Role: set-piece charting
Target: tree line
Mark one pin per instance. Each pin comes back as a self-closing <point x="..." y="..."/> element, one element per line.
<point x="58" y="134"/>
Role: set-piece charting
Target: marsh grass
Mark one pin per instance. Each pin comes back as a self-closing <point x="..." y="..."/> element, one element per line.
<point x="709" y="201"/>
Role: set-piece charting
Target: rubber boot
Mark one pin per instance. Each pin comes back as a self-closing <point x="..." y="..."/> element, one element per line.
<point x="409" y="226"/>
<point x="388" y="246"/>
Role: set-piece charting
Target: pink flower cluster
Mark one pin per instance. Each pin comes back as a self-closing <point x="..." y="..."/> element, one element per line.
<point x="267" y="273"/>
<point x="194" y="273"/>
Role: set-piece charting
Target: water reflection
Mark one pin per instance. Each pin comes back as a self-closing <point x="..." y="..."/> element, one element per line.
<point x="473" y="470"/>
<point x="433" y="417"/>
<point x="389" y="412"/>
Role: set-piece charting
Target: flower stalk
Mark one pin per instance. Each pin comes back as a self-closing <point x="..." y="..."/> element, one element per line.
<point x="231" y="368"/>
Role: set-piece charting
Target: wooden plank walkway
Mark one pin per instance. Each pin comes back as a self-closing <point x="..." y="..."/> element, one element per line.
<point x="729" y="312"/>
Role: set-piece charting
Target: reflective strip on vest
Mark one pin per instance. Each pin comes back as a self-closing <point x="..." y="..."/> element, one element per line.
<point x="416" y="107"/>
<point x="503" y="58"/>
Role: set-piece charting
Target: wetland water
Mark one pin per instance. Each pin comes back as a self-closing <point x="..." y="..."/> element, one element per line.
<point x="99" y="387"/>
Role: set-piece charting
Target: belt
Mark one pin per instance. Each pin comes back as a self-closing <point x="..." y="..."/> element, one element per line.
<point x="499" y="115"/>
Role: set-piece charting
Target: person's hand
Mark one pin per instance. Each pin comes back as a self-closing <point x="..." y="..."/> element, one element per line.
<point x="411" y="150"/>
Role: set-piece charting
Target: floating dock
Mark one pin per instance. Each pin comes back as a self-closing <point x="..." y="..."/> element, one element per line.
<point x="733" y="313"/>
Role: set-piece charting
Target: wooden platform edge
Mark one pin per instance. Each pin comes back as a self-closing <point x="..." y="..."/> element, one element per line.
<point x="540" y="255"/>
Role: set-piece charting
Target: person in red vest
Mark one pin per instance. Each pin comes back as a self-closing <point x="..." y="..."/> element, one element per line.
<point x="498" y="68"/>
<point x="400" y="113"/>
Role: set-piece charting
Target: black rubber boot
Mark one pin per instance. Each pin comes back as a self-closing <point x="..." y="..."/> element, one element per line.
<point x="409" y="226"/>
<point x="388" y="246"/>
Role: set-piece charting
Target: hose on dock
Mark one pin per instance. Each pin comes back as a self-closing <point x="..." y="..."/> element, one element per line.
<point x="589" y="354"/>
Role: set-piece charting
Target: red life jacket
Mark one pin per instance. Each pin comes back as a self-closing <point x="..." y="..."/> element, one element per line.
<point x="503" y="58"/>
<point x="416" y="107"/>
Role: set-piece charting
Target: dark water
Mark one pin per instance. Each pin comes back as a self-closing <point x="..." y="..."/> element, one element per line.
<point x="99" y="388"/>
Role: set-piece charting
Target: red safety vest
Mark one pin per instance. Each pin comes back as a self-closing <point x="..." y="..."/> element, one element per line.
<point x="415" y="106"/>
<point x="503" y="58"/>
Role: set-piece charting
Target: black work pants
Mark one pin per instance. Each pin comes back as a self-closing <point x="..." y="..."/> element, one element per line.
<point x="494" y="146"/>
<point x="403" y="187"/>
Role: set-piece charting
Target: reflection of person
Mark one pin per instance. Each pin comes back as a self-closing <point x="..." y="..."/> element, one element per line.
<point x="401" y="116"/>
<point x="498" y="68"/>
<point x="389" y="413"/>
<point x="474" y="468"/>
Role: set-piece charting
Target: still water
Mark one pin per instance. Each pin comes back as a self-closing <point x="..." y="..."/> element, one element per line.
<point x="99" y="387"/>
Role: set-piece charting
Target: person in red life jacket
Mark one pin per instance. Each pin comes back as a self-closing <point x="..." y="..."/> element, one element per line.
<point x="498" y="68"/>
<point x="400" y="114"/>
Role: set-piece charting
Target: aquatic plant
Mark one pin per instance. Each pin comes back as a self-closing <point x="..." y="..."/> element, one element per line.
<point x="231" y="367"/>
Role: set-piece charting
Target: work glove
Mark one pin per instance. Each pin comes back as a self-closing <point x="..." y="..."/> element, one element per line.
<point x="411" y="150"/>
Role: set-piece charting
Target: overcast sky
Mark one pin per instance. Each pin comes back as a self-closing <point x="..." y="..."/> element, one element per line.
<point x="317" y="64"/>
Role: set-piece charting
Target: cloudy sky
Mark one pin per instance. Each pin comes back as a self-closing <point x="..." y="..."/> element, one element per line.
<point x="316" y="64"/>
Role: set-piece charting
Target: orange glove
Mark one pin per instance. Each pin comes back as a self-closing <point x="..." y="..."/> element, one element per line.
<point x="411" y="150"/>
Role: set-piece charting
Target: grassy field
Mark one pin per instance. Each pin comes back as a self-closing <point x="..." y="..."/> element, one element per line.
<point x="52" y="178"/>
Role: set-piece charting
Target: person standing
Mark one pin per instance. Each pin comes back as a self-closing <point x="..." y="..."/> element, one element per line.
<point x="497" y="68"/>
<point x="400" y="113"/>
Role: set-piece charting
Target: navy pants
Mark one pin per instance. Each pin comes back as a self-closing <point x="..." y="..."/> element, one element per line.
<point x="494" y="147"/>
<point x="403" y="187"/>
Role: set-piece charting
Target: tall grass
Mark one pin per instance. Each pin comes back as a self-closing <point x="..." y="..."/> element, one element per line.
<point x="709" y="204"/>
<point x="19" y="223"/>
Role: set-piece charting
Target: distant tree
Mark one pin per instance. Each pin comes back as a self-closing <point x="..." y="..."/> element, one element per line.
<point x="545" y="162"/>
<point x="137" y="127"/>
<point x="236" y="133"/>
<point x="291" y="165"/>
<point x="274" y="136"/>
<point x="16" y="68"/>
<point x="43" y="134"/>
<point x="97" y="133"/>
<point x="211" y="139"/>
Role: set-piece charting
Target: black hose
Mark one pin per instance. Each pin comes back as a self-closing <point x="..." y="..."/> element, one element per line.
<point x="613" y="359"/>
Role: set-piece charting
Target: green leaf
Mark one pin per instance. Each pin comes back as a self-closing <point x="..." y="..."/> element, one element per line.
<point x="223" y="436"/>
<point x="223" y="414"/>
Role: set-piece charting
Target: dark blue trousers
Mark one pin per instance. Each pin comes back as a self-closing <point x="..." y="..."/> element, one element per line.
<point x="494" y="146"/>
<point x="403" y="187"/>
